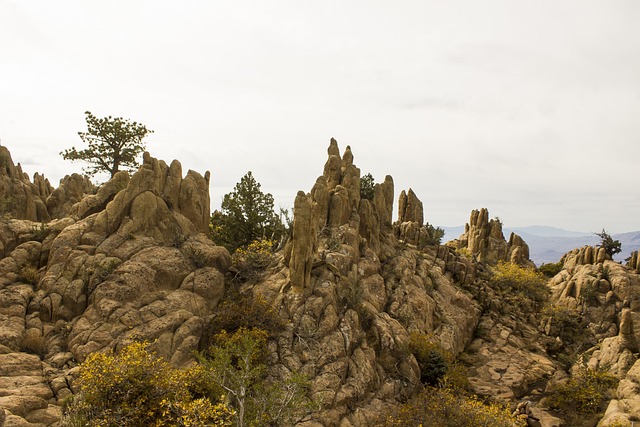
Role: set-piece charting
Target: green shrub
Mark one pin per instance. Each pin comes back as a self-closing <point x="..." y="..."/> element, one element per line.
<point x="610" y="246"/>
<point x="433" y="361"/>
<point x="434" y="235"/>
<point x="367" y="186"/>
<point x="456" y="378"/>
<point x="551" y="269"/>
<point x="246" y="215"/>
<point x="566" y="322"/>
<point x="41" y="232"/>
<point x="585" y="393"/>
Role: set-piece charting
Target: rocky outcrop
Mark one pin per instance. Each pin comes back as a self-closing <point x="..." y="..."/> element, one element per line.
<point x="410" y="208"/>
<point x="353" y="294"/>
<point x="132" y="262"/>
<point x="410" y="227"/>
<point x="585" y="255"/>
<point x="19" y="197"/>
<point x="626" y="406"/>
<point x="303" y="240"/>
<point x="605" y="295"/>
<point x="26" y="393"/>
<point x="484" y="240"/>
<point x="72" y="190"/>
<point x="599" y="292"/>
<point x="634" y="261"/>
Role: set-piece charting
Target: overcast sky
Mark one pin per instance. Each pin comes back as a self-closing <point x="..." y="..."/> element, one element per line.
<point x="528" y="108"/>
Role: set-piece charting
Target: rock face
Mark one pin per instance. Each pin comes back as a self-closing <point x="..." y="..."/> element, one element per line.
<point x="483" y="238"/>
<point x="130" y="262"/>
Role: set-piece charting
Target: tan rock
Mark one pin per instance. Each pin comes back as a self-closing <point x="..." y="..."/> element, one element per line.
<point x="339" y="207"/>
<point x="303" y="238"/>
<point x="410" y="208"/>
<point x="71" y="190"/>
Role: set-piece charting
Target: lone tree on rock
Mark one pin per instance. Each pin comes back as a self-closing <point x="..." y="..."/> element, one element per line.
<point x="611" y="247"/>
<point x="113" y="144"/>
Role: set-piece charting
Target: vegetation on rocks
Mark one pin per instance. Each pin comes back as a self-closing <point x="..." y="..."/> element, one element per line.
<point x="239" y="311"/>
<point x="526" y="283"/>
<point x="247" y="216"/>
<point x="433" y="236"/>
<point x="438" y="407"/>
<point x="551" y="269"/>
<point x="135" y="387"/>
<point x="433" y="360"/>
<point x="610" y="245"/>
<point x="249" y="261"/>
<point x="585" y="393"/>
<point x="367" y="186"/>
<point x="236" y="364"/>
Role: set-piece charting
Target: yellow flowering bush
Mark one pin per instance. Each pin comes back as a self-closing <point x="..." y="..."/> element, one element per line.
<point x="437" y="407"/>
<point x="242" y="311"/>
<point x="585" y="393"/>
<point x="248" y="261"/>
<point x="522" y="281"/>
<point x="138" y="388"/>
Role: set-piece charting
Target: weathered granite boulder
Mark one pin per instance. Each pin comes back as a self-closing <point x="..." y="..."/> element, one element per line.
<point x="72" y="190"/>
<point x="584" y="256"/>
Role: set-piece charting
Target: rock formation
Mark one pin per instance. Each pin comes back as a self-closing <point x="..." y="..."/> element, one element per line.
<point x="131" y="262"/>
<point x="85" y="270"/>
<point x="19" y="197"/>
<point x="605" y="294"/>
<point x="355" y="294"/>
<point x="484" y="240"/>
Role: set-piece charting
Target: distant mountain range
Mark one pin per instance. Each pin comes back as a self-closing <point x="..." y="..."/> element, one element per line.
<point x="548" y="244"/>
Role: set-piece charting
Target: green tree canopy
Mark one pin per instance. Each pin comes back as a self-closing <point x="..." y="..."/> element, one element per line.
<point x="247" y="215"/>
<point x="610" y="246"/>
<point x="367" y="186"/>
<point x="113" y="144"/>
